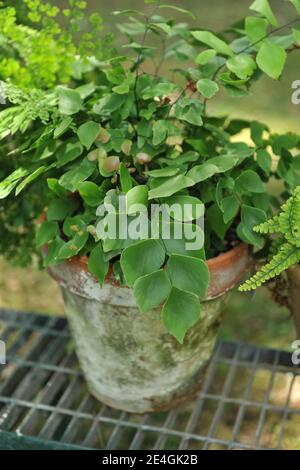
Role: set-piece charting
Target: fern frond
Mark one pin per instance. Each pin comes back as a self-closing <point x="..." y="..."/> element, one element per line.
<point x="270" y="226"/>
<point x="286" y="257"/>
<point x="276" y="244"/>
<point x="289" y="219"/>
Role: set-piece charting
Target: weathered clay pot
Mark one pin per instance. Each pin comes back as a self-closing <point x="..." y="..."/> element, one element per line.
<point x="129" y="359"/>
<point x="294" y="289"/>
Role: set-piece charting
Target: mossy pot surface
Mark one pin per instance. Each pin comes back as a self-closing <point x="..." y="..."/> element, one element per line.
<point x="129" y="359"/>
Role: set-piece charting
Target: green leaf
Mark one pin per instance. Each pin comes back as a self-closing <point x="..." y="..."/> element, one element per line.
<point x="176" y="241"/>
<point x="151" y="290"/>
<point x="137" y="196"/>
<point x="97" y="264"/>
<point x="256" y="28"/>
<point x="230" y="207"/>
<point x="189" y="274"/>
<point x="171" y="186"/>
<point x="88" y="133"/>
<point x="211" y="40"/>
<point x="109" y="104"/>
<point x="271" y="59"/>
<point x="62" y="127"/>
<point x="86" y="90"/>
<point x="9" y="183"/>
<point x="189" y="110"/>
<point x="30" y="178"/>
<point x="74" y="246"/>
<point x="296" y="4"/>
<point x="264" y="160"/>
<point x="59" y="209"/>
<point x="249" y="181"/>
<point x="46" y="232"/>
<point x="213" y="166"/>
<point x="160" y="132"/>
<point x="160" y="89"/>
<point x="69" y="101"/>
<point x="207" y="87"/>
<point x="91" y="193"/>
<point x="140" y="259"/>
<point x="72" y="179"/>
<point x="263" y="7"/>
<point x="180" y="312"/>
<point x="202" y="172"/>
<point x="205" y="56"/>
<point x="73" y="225"/>
<point x="296" y="34"/>
<point x="257" y="132"/>
<point x="125" y="178"/>
<point x="109" y="166"/>
<point x="179" y="9"/>
<point x="53" y="249"/>
<point x="214" y="215"/>
<point x="251" y="217"/>
<point x="242" y="65"/>
<point x="163" y="172"/>
<point x="69" y="151"/>
<point x="191" y="208"/>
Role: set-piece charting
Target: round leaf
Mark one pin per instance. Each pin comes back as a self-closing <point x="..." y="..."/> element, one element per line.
<point x="151" y="290"/>
<point x="242" y="65"/>
<point x="271" y="59"/>
<point x="137" y="196"/>
<point x="97" y="264"/>
<point x="140" y="259"/>
<point x="180" y="312"/>
<point x="189" y="274"/>
<point x="207" y="87"/>
<point x="171" y="186"/>
<point x="205" y="56"/>
<point x="88" y="133"/>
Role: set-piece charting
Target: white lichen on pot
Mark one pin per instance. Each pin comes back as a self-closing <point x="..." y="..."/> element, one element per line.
<point x="129" y="359"/>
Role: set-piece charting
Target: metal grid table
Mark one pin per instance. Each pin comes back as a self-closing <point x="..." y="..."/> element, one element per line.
<point x="250" y="398"/>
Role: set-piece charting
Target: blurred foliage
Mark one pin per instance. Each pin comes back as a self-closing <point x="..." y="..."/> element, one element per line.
<point x="36" y="51"/>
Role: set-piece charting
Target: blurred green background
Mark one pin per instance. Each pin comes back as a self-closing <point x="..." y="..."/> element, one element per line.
<point x="254" y="319"/>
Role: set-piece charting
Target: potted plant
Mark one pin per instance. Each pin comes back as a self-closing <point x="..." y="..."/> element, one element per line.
<point x="144" y="286"/>
<point x="284" y="253"/>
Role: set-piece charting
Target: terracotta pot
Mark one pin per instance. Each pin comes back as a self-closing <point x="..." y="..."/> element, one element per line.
<point x="129" y="359"/>
<point x="294" y="289"/>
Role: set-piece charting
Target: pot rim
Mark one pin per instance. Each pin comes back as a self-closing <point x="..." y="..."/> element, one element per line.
<point x="223" y="259"/>
<point x="218" y="267"/>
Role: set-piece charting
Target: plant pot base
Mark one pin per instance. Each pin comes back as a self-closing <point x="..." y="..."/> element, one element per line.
<point x="129" y="359"/>
<point x="131" y="362"/>
<point x="157" y="404"/>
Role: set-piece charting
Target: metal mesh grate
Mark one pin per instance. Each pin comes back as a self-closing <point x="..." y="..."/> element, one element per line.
<point x="250" y="398"/>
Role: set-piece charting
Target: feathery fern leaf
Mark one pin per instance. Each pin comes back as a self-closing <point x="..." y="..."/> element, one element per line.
<point x="286" y="257"/>
<point x="270" y="226"/>
<point x="286" y="248"/>
<point x="289" y="219"/>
